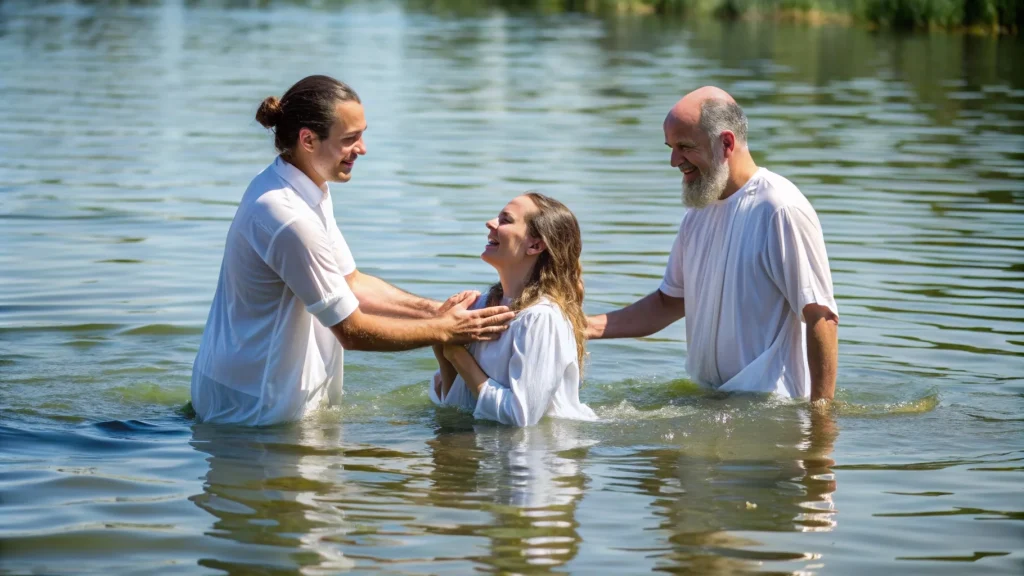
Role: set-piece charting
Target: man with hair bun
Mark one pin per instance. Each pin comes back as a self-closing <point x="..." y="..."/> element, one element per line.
<point x="748" y="268"/>
<point x="289" y="297"/>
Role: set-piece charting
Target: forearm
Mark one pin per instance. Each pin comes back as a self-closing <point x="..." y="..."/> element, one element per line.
<point x="467" y="367"/>
<point x="369" y="332"/>
<point x="646" y="316"/>
<point x="448" y="372"/>
<point x="822" y="358"/>
<point x="382" y="299"/>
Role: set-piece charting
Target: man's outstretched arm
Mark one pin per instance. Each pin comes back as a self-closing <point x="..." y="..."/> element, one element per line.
<point x="642" y="318"/>
<point x="456" y="324"/>
<point x="379" y="298"/>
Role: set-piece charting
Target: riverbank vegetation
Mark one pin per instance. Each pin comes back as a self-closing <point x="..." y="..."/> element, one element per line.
<point x="1005" y="16"/>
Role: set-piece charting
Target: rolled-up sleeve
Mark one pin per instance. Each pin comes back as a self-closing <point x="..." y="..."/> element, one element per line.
<point x="499" y="403"/>
<point x="302" y="254"/>
<point x="797" y="261"/>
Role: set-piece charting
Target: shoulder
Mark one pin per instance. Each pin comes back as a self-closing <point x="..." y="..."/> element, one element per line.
<point x="780" y="201"/>
<point x="544" y="312"/>
<point x="270" y="202"/>
<point x="776" y="192"/>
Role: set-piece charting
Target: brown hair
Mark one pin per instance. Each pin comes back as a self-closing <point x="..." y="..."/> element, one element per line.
<point x="308" y="104"/>
<point x="558" y="273"/>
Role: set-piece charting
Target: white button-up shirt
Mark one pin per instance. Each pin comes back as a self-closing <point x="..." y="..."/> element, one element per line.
<point x="533" y="371"/>
<point x="746" y="267"/>
<point x="267" y="354"/>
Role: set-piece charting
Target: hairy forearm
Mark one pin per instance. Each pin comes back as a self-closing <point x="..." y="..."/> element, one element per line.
<point x="823" y="357"/>
<point x="646" y="316"/>
<point x="382" y="299"/>
<point x="468" y="368"/>
<point x="369" y="332"/>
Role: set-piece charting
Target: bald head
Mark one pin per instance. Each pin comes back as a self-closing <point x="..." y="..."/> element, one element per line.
<point x="713" y="109"/>
<point x="688" y="107"/>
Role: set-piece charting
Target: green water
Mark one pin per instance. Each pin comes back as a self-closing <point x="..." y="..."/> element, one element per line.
<point x="127" y="138"/>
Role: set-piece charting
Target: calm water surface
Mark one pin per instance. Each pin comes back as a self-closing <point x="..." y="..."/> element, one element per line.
<point x="127" y="138"/>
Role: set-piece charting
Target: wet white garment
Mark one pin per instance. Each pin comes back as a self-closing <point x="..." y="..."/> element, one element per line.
<point x="532" y="371"/>
<point x="746" y="267"/>
<point x="267" y="353"/>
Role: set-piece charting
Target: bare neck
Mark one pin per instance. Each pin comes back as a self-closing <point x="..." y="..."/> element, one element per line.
<point x="513" y="282"/>
<point x="305" y="167"/>
<point x="741" y="169"/>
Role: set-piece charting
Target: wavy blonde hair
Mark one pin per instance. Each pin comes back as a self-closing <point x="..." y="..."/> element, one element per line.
<point x="558" y="273"/>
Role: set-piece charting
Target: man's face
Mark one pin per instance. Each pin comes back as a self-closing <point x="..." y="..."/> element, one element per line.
<point x="702" y="162"/>
<point x="334" y="157"/>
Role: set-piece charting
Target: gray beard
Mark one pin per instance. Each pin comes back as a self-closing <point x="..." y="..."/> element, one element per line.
<point x="707" y="187"/>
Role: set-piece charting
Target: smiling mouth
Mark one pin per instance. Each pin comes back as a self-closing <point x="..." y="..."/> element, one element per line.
<point x="689" y="171"/>
<point x="492" y="242"/>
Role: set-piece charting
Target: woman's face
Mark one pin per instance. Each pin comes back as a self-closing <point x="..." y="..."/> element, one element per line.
<point x="508" y="242"/>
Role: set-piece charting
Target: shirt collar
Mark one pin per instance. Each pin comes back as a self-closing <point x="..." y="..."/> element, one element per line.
<point x="310" y="192"/>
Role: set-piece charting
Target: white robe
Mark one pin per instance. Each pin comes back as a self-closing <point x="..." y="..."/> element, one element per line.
<point x="532" y="371"/>
<point x="746" y="267"/>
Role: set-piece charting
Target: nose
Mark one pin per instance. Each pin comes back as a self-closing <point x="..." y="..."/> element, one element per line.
<point x="361" y="146"/>
<point x="676" y="158"/>
<point x="492" y="224"/>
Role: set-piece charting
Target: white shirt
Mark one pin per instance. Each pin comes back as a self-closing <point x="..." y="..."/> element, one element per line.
<point x="267" y="354"/>
<point x="746" y="267"/>
<point x="532" y="370"/>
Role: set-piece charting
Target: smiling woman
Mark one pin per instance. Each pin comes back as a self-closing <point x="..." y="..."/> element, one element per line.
<point x="534" y="369"/>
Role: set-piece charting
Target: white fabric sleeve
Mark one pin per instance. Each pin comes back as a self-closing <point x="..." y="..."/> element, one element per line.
<point x="672" y="283"/>
<point x="342" y="253"/>
<point x="431" y="391"/>
<point x="301" y="253"/>
<point x="535" y="371"/>
<point x="797" y="262"/>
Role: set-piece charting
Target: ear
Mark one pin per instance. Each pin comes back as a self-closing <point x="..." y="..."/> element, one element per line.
<point x="536" y="247"/>
<point x="308" y="139"/>
<point x="728" y="144"/>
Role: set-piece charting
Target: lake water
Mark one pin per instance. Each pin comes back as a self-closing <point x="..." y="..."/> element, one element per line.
<point x="128" y="137"/>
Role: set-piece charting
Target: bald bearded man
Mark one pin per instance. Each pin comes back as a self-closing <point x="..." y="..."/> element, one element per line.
<point x="748" y="268"/>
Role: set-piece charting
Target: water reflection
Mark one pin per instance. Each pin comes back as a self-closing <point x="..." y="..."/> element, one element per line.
<point x="264" y="488"/>
<point x="528" y="479"/>
<point x="737" y="472"/>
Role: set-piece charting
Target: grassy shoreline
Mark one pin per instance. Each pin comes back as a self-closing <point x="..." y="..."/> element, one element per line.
<point x="979" y="16"/>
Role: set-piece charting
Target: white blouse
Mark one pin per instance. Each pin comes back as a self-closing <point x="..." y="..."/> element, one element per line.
<point x="267" y="353"/>
<point x="532" y="371"/>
